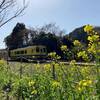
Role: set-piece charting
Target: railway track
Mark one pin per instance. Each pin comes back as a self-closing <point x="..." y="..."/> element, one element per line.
<point x="60" y="62"/>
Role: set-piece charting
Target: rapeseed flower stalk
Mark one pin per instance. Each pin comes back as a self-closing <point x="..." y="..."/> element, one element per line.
<point x="94" y="48"/>
<point x="94" y="39"/>
<point x="78" y="46"/>
<point x="73" y="65"/>
<point x="34" y="92"/>
<point x="56" y="84"/>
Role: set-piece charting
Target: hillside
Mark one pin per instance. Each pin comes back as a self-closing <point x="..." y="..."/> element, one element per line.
<point x="79" y="34"/>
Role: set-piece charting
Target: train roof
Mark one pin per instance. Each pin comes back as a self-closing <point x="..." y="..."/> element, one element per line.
<point x="28" y="47"/>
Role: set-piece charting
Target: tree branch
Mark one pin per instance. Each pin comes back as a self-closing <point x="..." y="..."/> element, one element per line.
<point x="15" y="15"/>
<point x="7" y="9"/>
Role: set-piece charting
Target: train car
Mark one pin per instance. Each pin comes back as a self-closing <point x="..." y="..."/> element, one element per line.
<point x="3" y="54"/>
<point x="29" y="53"/>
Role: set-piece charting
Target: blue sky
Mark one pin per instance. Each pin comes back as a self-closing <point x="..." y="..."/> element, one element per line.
<point x="68" y="14"/>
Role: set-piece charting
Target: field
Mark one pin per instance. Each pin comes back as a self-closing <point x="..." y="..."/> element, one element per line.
<point x="51" y="81"/>
<point x="55" y="80"/>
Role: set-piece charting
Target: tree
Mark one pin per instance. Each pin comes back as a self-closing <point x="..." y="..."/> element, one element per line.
<point x="21" y="36"/>
<point x="9" y="9"/>
<point x="48" y="34"/>
<point x="52" y="28"/>
<point x="18" y="38"/>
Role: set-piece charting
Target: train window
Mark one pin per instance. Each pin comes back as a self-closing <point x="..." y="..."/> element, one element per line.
<point x="44" y="50"/>
<point x="25" y="51"/>
<point x="41" y="50"/>
<point x="22" y="52"/>
<point x="37" y="49"/>
<point x="17" y="52"/>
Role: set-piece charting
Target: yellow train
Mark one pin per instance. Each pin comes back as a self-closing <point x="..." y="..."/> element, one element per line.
<point x="30" y="52"/>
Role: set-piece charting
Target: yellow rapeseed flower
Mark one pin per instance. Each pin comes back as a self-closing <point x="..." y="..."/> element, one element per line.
<point x="83" y="54"/>
<point x="83" y="84"/>
<point x="88" y="28"/>
<point x="64" y="48"/>
<point x="2" y="62"/>
<point x="56" y="84"/>
<point x="90" y="82"/>
<point x="73" y="62"/>
<point x="92" y="48"/>
<point x="80" y="89"/>
<point x="53" y="55"/>
<point x="93" y="38"/>
<point x="85" y="70"/>
<point x="47" y="67"/>
<point x="31" y="83"/>
<point x="77" y="43"/>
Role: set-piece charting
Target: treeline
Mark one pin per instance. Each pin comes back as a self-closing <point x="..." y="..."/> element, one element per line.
<point x="49" y="35"/>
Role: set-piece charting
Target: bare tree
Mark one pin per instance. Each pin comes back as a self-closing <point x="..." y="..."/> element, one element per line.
<point x="10" y="9"/>
<point x="52" y="28"/>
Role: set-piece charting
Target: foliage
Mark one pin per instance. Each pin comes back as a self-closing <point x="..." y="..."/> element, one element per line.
<point x="71" y="82"/>
<point x="48" y="34"/>
<point x="18" y="36"/>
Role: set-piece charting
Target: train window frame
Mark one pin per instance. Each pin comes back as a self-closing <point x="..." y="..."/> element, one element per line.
<point x="41" y="50"/>
<point x="15" y="52"/>
<point x="32" y="50"/>
<point x="18" y="52"/>
<point x="22" y="52"/>
<point x="44" y="49"/>
<point x="37" y="49"/>
<point x="12" y="53"/>
<point x="25" y="52"/>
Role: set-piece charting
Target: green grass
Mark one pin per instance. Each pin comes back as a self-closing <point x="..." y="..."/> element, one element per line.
<point x="52" y="81"/>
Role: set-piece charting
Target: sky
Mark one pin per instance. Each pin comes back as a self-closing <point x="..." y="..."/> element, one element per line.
<point x="67" y="14"/>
